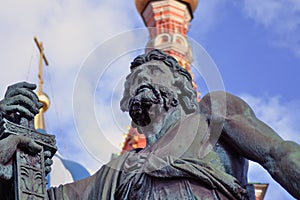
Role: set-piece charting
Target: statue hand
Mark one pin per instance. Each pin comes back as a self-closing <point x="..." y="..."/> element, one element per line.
<point x="21" y="100"/>
<point x="8" y="147"/>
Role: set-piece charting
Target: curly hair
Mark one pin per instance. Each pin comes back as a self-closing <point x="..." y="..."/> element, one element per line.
<point x="187" y="96"/>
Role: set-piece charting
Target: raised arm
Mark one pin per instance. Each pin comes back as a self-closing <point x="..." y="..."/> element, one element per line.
<point x="255" y="140"/>
<point x="19" y="101"/>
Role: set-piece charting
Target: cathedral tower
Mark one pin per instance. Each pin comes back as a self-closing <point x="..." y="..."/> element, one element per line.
<point x="168" y="23"/>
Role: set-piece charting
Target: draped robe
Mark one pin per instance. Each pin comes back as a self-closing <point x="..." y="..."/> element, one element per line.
<point x="161" y="173"/>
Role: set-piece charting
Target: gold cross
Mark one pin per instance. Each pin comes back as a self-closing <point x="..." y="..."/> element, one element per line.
<point x="42" y="57"/>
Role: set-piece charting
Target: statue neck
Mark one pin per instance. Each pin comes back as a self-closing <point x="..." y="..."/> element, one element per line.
<point x="157" y="129"/>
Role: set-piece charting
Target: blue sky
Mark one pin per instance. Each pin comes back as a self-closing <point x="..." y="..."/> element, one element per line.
<point x="255" y="45"/>
<point x="248" y="52"/>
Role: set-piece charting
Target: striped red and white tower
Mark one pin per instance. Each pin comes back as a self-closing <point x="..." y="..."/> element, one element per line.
<point x="168" y="23"/>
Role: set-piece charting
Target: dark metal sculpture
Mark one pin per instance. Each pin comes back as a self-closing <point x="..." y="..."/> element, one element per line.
<point x="29" y="171"/>
<point x="194" y="151"/>
<point x="29" y="167"/>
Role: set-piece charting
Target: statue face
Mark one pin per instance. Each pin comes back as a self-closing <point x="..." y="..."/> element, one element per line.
<point x="154" y="73"/>
<point x="152" y="92"/>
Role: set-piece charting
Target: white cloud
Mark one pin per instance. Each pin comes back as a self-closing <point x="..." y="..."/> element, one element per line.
<point x="69" y="31"/>
<point x="283" y="117"/>
<point x="278" y="16"/>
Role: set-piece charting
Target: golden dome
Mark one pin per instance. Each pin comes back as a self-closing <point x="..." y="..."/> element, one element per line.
<point x="45" y="100"/>
<point x="141" y="4"/>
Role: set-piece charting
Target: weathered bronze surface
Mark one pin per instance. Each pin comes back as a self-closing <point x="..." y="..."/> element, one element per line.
<point x="194" y="151"/>
<point x="27" y="166"/>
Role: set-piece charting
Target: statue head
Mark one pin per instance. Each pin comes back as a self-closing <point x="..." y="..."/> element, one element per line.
<point x="157" y="79"/>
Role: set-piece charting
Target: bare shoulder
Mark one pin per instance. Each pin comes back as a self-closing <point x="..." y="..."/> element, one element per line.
<point x="224" y="104"/>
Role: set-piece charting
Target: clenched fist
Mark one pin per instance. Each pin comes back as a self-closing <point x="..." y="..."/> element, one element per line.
<point x="20" y="100"/>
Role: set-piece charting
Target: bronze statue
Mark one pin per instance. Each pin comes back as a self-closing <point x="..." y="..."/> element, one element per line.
<point x="194" y="151"/>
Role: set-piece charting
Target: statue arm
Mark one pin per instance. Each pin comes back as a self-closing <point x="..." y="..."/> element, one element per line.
<point x="101" y="185"/>
<point x="255" y="140"/>
<point x="77" y="190"/>
<point x="19" y="101"/>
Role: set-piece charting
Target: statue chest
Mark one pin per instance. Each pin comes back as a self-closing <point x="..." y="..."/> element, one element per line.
<point x="149" y="187"/>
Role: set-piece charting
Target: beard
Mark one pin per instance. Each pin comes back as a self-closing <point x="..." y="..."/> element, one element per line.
<point x="146" y="96"/>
